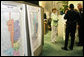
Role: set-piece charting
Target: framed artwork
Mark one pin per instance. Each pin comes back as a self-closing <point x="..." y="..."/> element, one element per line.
<point x="35" y="28"/>
<point x="21" y="29"/>
<point x="12" y="29"/>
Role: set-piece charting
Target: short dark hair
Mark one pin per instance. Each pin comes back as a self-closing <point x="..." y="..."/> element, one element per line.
<point x="71" y="6"/>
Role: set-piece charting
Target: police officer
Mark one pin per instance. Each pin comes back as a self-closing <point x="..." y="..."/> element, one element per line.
<point x="71" y="17"/>
<point x="80" y="24"/>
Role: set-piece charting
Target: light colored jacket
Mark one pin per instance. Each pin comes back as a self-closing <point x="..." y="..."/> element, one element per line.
<point x="54" y="18"/>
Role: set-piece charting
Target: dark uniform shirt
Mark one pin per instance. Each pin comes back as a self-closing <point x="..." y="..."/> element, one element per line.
<point x="71" y="16"/>
<point x="81" y="21"/>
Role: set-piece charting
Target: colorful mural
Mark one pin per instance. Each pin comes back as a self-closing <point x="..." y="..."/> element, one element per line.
<point x="11" y="40"/>
<point x="14" y="29"/>
<point x="34" y="20"/>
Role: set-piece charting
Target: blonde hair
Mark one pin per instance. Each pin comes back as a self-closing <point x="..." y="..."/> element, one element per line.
<point x="80" y="4"/>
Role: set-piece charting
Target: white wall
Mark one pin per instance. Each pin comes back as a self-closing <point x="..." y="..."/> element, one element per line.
<point x="75" y="3"/>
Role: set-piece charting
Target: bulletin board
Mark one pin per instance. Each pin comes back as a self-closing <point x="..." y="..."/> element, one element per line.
<point x="35" y="28"/>
<point x="21" y="29"/>
<point x="12" y="29"/>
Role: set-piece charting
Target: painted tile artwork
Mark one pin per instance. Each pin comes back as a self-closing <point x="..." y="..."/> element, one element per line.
<point x="34" y="20"/>
<point x="11" y="32"/>
<point x="14" y="29"/>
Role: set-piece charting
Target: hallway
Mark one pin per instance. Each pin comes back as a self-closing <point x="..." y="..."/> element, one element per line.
<point x="26" y="25"/>
<point x="50" y="49"/>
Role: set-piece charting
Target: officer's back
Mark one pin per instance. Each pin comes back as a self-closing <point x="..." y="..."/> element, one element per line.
<point x="71" y="17"/>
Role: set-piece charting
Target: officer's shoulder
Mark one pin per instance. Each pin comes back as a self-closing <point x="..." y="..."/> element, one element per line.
<point x="68" y="11"/>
